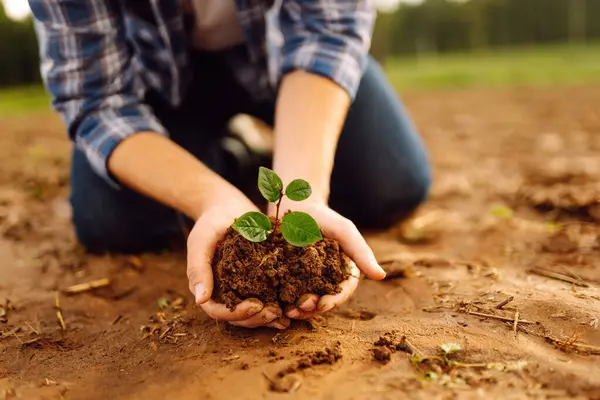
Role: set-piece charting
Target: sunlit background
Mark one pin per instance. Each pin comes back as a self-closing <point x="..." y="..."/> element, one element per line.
<point x="19" y="9"/>
<point x="16" y="9"/>
<point x="422" y="44"/>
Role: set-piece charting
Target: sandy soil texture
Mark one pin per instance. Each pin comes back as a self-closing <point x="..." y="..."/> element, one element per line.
<point x="504" y="261"/>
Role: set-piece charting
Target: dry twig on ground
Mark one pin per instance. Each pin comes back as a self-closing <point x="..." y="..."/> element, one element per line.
<point x="521" y="321"/>
<point x="59" y="316"/>
<point x="84" y="287"/>
<point x="505" y="302"/>
<point x="558" y="277"/>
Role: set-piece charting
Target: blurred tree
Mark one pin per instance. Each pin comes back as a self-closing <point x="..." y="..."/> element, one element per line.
<point x="431" y="27"/>
<point x="19" y="61"/>
<point x="577" y="20"/>
<point x="465" y="25"/>
<point x="381" y="47"/>
<point x="478" y="27"/>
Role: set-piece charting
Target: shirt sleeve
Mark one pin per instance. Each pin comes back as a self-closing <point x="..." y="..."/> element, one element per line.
<point x="87" y="68"/>
<point x="328" y="38"/>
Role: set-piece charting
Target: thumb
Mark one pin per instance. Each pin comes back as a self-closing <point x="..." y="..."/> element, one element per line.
<point x="357" y="248"/>
<point x="199" y="270"/>
<point x="201" y="283"/>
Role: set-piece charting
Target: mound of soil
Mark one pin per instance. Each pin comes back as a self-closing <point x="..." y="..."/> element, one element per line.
<point x="274" y="271"/>
<point x="388" y="344"/>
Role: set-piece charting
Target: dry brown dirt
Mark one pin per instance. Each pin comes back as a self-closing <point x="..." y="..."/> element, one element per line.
<point x="513" y="215"/>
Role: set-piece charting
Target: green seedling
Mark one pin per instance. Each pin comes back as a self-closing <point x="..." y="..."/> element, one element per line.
<point x="502" y="212"/>
<point x="298" y="228"/>
<point x="449" y="348"/>
<point x="163" y="303"/>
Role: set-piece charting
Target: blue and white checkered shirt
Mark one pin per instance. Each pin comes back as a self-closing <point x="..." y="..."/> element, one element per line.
<point x="99" y="57"/>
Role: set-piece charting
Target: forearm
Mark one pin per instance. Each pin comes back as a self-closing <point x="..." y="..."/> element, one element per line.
<point x="311" y="111"/>
<point x="159" y="168"/>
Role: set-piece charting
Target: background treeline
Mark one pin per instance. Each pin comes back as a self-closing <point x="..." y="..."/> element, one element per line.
<point x="434" y="26"/>
<point x="438" y="26"/>
<point x="18" y="52"/>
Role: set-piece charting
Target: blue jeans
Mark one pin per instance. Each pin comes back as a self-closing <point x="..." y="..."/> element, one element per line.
<point x="381" y="172"/>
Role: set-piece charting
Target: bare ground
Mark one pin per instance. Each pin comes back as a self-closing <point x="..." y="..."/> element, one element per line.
<point x="513" y="215"/>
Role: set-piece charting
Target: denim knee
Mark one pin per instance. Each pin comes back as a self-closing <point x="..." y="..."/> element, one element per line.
<point x="98" y="235"/>
<point x="395" y="200"/>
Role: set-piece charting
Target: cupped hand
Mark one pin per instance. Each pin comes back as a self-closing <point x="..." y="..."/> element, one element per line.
<point x="337" y="227"/>
<point x="201" y="245"/>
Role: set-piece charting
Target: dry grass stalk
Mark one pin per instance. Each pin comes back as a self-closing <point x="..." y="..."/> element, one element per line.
<point x="573" y="344"/>
<point x="558" y="277"/>
<point x="59" y="316"/>
<point x="505" y="302"/>
<point x="84" y="287"/>
<point x="521" y="321"/>
<point x="33" y="329"/>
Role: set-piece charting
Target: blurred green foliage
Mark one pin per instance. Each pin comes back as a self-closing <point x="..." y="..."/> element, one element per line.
<point x="18" y="52"/>
<point x="542" y="65"/>
<point x="437" y="43"/>
<point x="442" y="26"/>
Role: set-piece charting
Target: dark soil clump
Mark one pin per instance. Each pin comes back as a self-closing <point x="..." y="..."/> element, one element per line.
<point x="388" y="344"/>
<point x="327" y="356"/>
<point x="287" y="379"/>
<point x="382" y="354"/>
<point x="274" y="271"/>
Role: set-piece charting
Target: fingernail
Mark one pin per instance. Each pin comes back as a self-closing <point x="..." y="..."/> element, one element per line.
<point x="308" y="305"/>
<point x="279" y="326"/>
<point x="270" y="316"/>
<point x="254" y="309"/>
<point x="324" y="307"/>
<point x="199" y="291"/>
<point x="376" y="266"/>
<point x="293" y="313"/>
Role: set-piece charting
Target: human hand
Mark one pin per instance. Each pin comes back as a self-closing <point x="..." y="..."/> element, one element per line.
<point x="336" y="227"/>
<point x="202" y="242"/>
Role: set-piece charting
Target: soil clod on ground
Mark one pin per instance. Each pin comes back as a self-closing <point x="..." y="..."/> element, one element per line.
<point x="382" y="354"/>
<point x="328" y="356"/>
<point x="389" y="343"/>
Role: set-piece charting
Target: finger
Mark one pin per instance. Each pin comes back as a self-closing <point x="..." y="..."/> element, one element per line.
<point x="201" y="246"/>
<point x="356" y="247"/>
<point x="281" y="323"/>
<point x="307" y="302"/>
<point x="263" y="318"/>
<point x="330" y="301"/>
<point x="242" y="311"/>
<point x="297" y="313"/>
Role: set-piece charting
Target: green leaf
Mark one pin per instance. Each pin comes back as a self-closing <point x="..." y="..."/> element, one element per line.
<point x="163" y="303"/>
<point x="253" y="226"/>
<point x="502" y="212"/>
<point x="449" y="348"/>
<point x="298" y="190"/>
<point x="269" y="184"/>
<point x="300" y="229"/>
<point x="430" y="376"/>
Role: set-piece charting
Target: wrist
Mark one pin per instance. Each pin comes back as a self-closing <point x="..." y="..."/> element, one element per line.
<point x="290" y="205"/>
<point x="317" y="175"/>
<point x="210" y="193"/>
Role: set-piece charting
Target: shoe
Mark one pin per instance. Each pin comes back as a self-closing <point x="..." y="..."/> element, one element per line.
<point x="254" y="133"/>
<point x="248" y="145"/>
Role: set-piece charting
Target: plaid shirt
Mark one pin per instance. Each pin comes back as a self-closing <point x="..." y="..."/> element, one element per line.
<point x="100" y="57"/>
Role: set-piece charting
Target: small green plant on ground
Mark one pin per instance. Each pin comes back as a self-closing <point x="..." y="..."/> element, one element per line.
<point x="442" y="368"/>
<point x="298" y="228"/>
